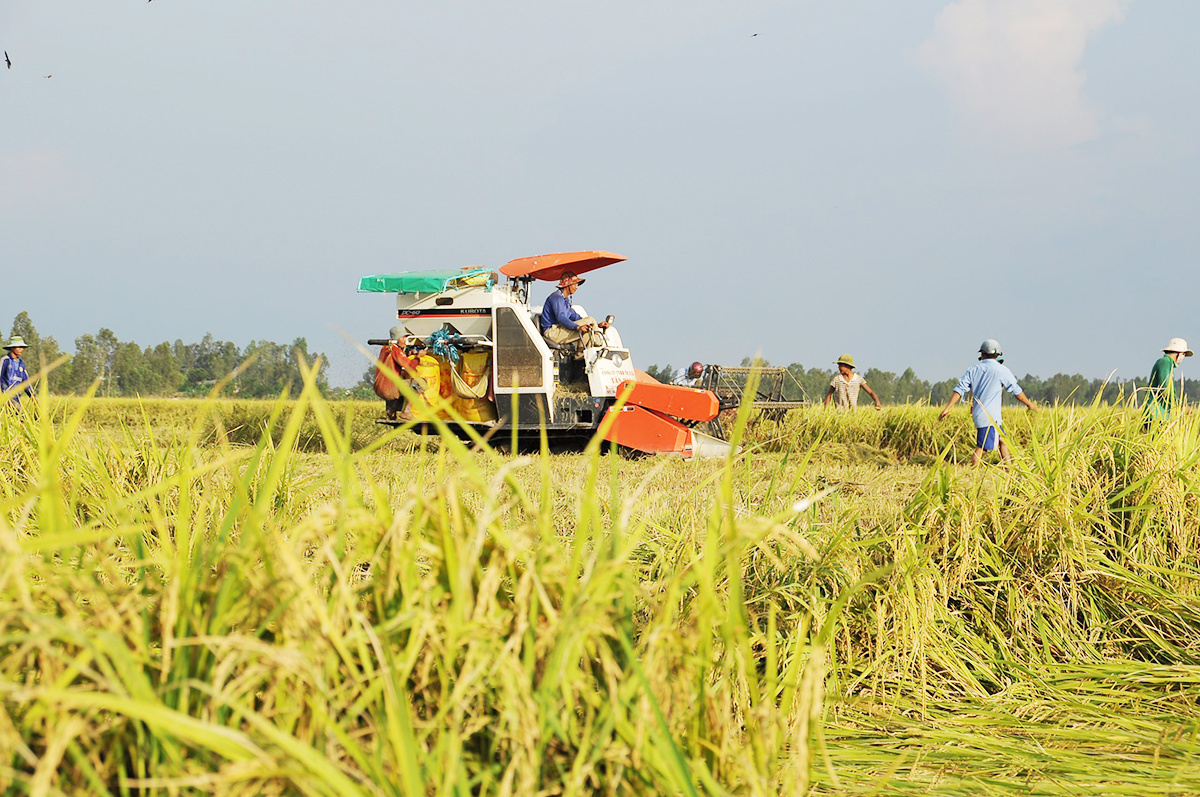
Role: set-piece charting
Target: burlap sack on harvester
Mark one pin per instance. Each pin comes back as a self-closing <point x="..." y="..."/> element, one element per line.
<point x="472" y="394"/>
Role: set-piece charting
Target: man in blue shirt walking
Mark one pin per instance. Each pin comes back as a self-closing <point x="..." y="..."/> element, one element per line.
<point x="12" y="370"/>
<point x="987" y="381"/>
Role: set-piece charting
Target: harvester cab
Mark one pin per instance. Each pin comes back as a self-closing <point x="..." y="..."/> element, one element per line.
<point x="487" y="364"/>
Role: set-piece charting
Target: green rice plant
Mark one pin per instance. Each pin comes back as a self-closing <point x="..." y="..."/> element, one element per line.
<point x="1008" y="579"/>
<point x="181" y="615"/>
<point x="240" y="421"/>
<point x="284" y="599"/>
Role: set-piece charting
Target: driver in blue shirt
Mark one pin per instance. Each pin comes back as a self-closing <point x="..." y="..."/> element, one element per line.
<point x="561" y="324"/>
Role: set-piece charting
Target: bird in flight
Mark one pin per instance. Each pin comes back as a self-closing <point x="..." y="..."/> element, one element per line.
<point x="7" y="61"/>
<point x="47" y="76"/>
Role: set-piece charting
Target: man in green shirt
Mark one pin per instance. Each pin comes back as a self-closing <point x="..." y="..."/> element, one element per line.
<point x="1160" y="391"/>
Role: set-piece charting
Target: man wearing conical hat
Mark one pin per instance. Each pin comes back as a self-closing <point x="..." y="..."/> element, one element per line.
<point x="12" y="370"/>
<point x="560" y="323"/>
<point x="1160" y="391"/>
<point x="844" y="387"/>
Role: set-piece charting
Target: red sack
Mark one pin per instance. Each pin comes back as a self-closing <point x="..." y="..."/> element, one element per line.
<point x="386" y="373"/>
<point x="392" y="360"/>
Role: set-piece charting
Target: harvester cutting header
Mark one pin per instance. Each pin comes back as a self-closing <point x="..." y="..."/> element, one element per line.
<point x="475" y="350"/>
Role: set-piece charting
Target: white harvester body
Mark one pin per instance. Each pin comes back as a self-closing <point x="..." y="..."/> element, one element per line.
<point x="563" y="390"/>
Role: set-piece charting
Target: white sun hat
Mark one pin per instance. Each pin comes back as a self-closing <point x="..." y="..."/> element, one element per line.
<point x="990" y="346"/>
<point x="1177" y="345"/>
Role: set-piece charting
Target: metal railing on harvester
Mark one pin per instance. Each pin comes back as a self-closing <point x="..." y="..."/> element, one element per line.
<point x="731" y="384"/>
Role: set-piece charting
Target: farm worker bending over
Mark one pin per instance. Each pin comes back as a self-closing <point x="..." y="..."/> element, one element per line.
<point x="561" y="324"/>
<point x="691" y="376"/>
<point x="1160" y="391"/>
<point x="987" y="382"/>
<point x="845" y="384"/>
<point x="396" y="362"/>
<point x="12" y="370"/>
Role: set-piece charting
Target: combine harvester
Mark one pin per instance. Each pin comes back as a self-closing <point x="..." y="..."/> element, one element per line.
<point x="487" y="358"/>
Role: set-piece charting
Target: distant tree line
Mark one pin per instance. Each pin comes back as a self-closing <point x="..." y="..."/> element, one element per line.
<point x="907" y="388"/>
<point x="168" y="369"/>
<point x="192" y="369"/>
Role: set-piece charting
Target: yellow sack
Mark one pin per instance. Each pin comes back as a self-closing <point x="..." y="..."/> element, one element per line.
<point x="471" y="380"/>
<point x="476" y="410"/>
<point x="429" y="372"/>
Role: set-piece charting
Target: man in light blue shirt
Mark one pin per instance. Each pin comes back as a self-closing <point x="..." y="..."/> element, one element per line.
<point x="987" y="381"/>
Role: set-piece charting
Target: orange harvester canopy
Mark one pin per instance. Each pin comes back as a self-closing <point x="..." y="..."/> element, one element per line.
<point x="551" y="267"/>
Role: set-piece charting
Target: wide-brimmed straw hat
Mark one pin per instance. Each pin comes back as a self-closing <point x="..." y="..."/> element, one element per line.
<point x="845" y="359"/>
<point x="570" y="278"/>
<point x="1177" y="345"/>
<point x="17" y="342"/>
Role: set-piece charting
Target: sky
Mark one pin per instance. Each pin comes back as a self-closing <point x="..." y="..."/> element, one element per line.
<point x="799" y="179"/>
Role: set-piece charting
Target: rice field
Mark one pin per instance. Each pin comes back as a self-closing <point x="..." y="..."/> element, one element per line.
<point x="281" y="598"/>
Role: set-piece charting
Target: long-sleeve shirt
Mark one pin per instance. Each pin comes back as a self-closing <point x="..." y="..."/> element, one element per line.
<point x="13" y="373"/>
<point x="1160" y="391"/>
<point x="558" y="310"/>
<point x="986" y="381"/>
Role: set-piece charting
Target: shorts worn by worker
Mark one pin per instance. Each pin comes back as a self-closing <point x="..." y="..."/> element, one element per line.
<point x="987" y="437"/>
<point x="560" y="335"/>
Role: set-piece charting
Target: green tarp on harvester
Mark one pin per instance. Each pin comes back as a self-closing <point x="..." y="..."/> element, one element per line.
<point x="418" y="281"/>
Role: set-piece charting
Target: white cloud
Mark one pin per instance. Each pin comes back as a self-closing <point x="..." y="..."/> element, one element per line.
<point x="38" y="175"/>
<point x="1013" y="65"/>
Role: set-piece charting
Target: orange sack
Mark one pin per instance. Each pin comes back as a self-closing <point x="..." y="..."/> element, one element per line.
<point x="392" y="367"/>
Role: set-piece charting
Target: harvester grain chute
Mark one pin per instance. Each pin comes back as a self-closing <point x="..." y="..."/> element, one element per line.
<point x="476" y="324"/>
